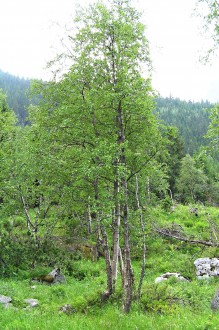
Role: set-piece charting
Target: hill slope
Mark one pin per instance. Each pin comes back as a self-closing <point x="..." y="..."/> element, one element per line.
<point x="16" y="90"/>
<point x="191" y="118"/>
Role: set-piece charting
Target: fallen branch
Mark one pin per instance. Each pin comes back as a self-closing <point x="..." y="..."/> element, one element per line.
<point x="176" y="235"/>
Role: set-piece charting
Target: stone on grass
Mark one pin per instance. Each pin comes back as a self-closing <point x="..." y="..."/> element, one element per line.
<point x="67" y="309"/>
<point x="215" y="302"/>
<point x="5" y="300"/>
<point x="206" y="267"/>
<point x="32" y="302"/>
<point x="166" y="276"/>
<point x="59" y="278"/>
<point x="54" y="277"/>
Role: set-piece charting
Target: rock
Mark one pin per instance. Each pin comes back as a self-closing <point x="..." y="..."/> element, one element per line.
<point x="54" y="272"/>
<point x="67" y="309"/>
<point x="5" y="300"/>
<point x="206" y="267"/>
<point x="58" y="276"/>
<point x="215" y="302"/>
<point x="204" y="277"/>
<point x="32" y="302"/>
<point x="166" y="276"/>
<point x="60" y="279"/>
<point x="54" y="277"/>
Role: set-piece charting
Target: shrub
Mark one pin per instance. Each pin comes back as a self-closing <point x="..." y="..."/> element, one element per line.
<point x="159" y="298"/>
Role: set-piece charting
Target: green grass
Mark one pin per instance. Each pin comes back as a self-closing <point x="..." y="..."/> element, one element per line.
<point x="191" y="310"/>
<point x="106" y="318"/>
<point x="170" y="305"/>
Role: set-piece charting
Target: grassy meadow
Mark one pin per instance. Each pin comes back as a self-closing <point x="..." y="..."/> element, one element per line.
<point x="167" y="305"/>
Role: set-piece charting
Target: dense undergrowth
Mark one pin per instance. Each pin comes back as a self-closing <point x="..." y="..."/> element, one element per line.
<point x="167" y="305"/>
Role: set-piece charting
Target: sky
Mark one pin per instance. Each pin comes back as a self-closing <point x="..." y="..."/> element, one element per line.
<point x="31" y="30"/>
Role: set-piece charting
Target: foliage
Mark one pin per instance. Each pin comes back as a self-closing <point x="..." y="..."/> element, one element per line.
<point x="16" y="90"/>
<point x="191" y="119"/>
<point x="212" y="133"/>
<point x="192" y="182"/>
<point x="171" y="155"/>
<point x="209" y="11"/>
<point x="166" y="203"/>
<point x="207" y="161"/>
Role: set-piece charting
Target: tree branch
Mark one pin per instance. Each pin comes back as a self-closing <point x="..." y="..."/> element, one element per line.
<point x="176" y="235"/>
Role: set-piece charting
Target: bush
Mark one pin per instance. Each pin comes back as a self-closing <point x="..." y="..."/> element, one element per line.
<point x="159" y="298"/>
<point x="166" y="203"/>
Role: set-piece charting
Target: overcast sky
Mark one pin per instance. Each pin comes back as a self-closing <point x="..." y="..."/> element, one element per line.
<point x="29" y="38"/>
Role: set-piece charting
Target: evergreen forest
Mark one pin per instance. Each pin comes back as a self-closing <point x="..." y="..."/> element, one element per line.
<point x="17" y="91"/>
<point x="109" y="183"/>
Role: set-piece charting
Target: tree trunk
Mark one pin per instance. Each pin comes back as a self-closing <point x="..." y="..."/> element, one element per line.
<point x="105" y="245"/>
<point x="148" y="190"/>
<point x="106" y="250"/>
<point x="121" y="265"/>
<point x="128" y="275"/>
<point x="143" y="241"/>
<point x="32" y="227"/>
<point x="116" y="234"/>
<point x="89" y="218"/>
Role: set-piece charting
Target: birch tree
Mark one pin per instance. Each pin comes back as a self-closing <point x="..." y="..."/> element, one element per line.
<point x="101" y="111"/>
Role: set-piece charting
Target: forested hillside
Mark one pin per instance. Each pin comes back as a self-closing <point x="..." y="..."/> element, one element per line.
<point x="191" y="118"/>
<point x="16" y="90"/>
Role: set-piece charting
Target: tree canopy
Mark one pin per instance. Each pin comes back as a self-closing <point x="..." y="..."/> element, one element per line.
<point x="210" y="14"/>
